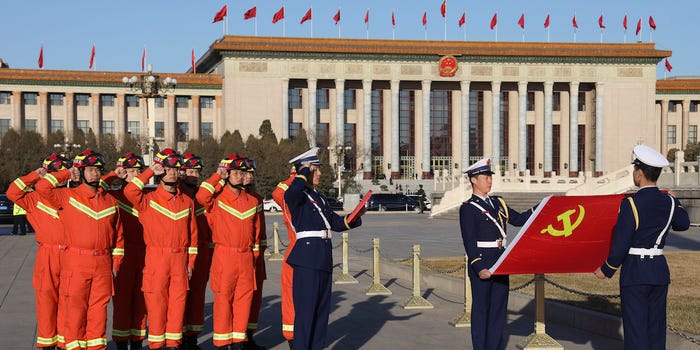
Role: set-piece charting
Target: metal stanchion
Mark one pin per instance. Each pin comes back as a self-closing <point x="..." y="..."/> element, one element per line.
<point x="416" y="301"/>
<point x="376" y="288"/>
<point x="465" y="319"/>
<point x="345" y="278"/>
<point x="540" y="339"/>
<point x="275" y="256"/>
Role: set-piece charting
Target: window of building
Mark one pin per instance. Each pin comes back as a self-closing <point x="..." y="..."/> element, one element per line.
<point x="56" y="125"/>
<point x="322" y="135"/>
<point x="182" y="101"/>
<point x="206" y="129"/>
<point x="132" y="100"/>
<point x="82" y="99"/>
<point x="159" y="102"/>
<point x="693" y="105"/>
<point x="503" y="121"/>
<point x="295" y="98"/>
<point x="556" y="151"/>
<point x="294" y="130"/>
<point x="84" y="126"/>
<point x="349" y="133"/>
<point x="476" y="124"/>
<point x="692" y="133"/>
<point x="350" y="99"/>
<point x="4" y="126"/>
<point x="581" y="101"/>
<point x="322" y="99"/>
<point x="530" y="101"/>
<point x="30" y="125"/>
<point x="107" y="100"/>
<point x="581" y="147"/>
<point x="159" y="131"/>
<point x="556" y="101"/>
<point x="56" y="99"/>
<point x="672" y="106"/>
<point x="206" y="102"/>
<point x="133" y="128"/>
<point x="441" y="123"/>
<point x="5" y="98"/>
<point x="108" y="127"/>
<point x="30" y="98"/>
<point x="671" y="134"/>
<point x="377" y="122"/>
<point x="530" y="153"/>
<point x="182" y="132"/>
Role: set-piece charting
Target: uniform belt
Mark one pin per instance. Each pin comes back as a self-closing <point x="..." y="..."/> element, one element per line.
<point x="50" y="245"/>
<point x="500" y="243"/>
<point x="646" y="251"/>
<point x="325" y="234"/>
<point x="167" y="249"/>
<point x="233" y="249"/>
<point x="93" y="252"/>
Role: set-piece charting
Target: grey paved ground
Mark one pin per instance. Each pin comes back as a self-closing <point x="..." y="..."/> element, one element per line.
<point x="357" y="321"/>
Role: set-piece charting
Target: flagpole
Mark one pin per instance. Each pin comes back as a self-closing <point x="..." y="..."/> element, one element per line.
<point x="625" y="38"/>
<point x="651" y="38"/>
<point x="256" y="19"/>
<point x="226" y="22"/>
<point x="367" y="25"/>
<point x="338" y="23"/>
<point x="393" y="26"/>
<point x="601" y="35"/>
<point x="445" y="20"/>
<point x="465" y="32"/>
<point x="312" y="21"/>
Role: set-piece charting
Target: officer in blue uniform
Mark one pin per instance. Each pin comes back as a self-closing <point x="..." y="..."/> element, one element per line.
<point x="311" y="257"/>
<point x="483" y="220"/>
<point x="637" y="250"/>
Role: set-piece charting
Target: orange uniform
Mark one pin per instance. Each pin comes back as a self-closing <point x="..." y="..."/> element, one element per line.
<point x="45" y="280"/>
<point x="170" y="234"/>
<point x="94" y="247"/>
<point x="260" y="273"/>
<point x="234" y="223"/>
<point x="129" y="316"/>
<point x="287" y="271"/>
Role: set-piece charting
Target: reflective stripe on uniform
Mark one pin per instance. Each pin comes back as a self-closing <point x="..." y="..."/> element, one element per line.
<point x="19" y="183"/>
<point x="52" y="179"/>
<point x="241" y="215"/>
<point x="118" y="251"/>
<point x="97" y="215"/>
<point x="208" y="187"/>
<point x="168" y="213"/>
<point x="47" y="209"/>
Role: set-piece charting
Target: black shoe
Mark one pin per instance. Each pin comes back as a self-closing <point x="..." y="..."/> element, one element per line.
<point x="291" y="344"/>
<point x="122" y="345"/>
<point x="189" y="342"/>
<point x="236" y="346"/>
<point x="135" y="344"/>
<point x="22" y="234"/>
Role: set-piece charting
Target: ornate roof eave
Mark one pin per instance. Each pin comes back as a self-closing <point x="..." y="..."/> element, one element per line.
<point x="678" y="87"/>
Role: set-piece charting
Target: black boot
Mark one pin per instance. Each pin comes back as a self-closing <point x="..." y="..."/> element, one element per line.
<point x="135" y="344"/>
<point x="190" y="342"/>
<point x="250" y="343"/>
<point x="291" y="344"/>
<point x="53" y="347"/>
<point x="122" y="345"/>
<point x="236" y="346"/>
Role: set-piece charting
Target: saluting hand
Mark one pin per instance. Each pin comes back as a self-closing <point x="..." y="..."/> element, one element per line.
<point x="41" y="172"/>
<point x="121" y="173"/>
<point x="157" y="169"/>
<point x="222" y="172"/>
<point x="74" y="174"/>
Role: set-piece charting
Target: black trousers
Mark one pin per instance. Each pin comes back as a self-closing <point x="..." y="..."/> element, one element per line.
<point x="21" y="221"/>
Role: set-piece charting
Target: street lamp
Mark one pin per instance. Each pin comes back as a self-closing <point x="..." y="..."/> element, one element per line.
<point x="339" y="153"/>
<point x="66" y="148"/>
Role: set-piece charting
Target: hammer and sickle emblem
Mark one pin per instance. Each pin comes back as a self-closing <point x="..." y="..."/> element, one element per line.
<point x="565" y="218"/>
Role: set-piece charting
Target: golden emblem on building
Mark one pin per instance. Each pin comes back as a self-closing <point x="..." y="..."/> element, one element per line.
<point x="448" y="66"/>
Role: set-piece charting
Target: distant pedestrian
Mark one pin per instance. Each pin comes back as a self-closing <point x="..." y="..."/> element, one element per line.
<point x="421" y="198"/>
<point x="20" y="220"/>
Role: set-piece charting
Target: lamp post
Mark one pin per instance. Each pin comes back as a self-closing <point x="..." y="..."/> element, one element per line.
<point x="66" y="148"/>
<point x="149" y="85"/>
<point x="339" y="151"/>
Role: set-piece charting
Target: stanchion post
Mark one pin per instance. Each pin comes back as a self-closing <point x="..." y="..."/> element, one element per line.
<point x="465" y="319"/>
<point x="275" y="256"/>
<point x="345" y="278"/>
<point x="539" y="339"/>
<point x="416" y="301"/>
<point x="376" y="288"/>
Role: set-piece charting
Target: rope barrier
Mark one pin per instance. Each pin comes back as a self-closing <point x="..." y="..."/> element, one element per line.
<point x="435" y="269"/>
<point x="683" y="335"/>
<point x="524" y="285"/>
<point x="576" y="292"/>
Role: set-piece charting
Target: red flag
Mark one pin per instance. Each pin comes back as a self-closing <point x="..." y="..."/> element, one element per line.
<point x="367" y="16"/>
<point x="425" y="18"/>
<point x="567" y="234"/>
<point x="143" y="59"/>
<point x="252" y="13"/>
<point x="278" y="15"/>
<point x="600" y="22"/>
<point x="639" y="27"/>
<point x="546" y="21"/>
<point x="494" y="20"/>
<point x="652" y="24"/>
<point x="443" y="8"/>
<point x="669" y="67"/>
<point x="624" y="22"/>
<point x="336" y="18"/>
<point x="521" y="21"/>
<point x="393" y="19"/>
<point x="463" y="19"/>
<point x="92" y="56"/>
<point x="221" y="14"/>
<point x="574" y="23"/>
<point x="41" y="57"/>
<point x="306" y="17"/>
<point x="194" y="68"/>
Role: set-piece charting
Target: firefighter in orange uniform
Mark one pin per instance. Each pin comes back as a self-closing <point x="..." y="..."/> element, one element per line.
<point x="94" y="248"/>
<point x="258" y="253"/>
<point x="170" y="234"/>
<point x="287" y="270"/>
<point x="129" y="315"/>
<point x="49" y="231"/>
<point x="234" y="223"/>
<point x="194" y="308"/>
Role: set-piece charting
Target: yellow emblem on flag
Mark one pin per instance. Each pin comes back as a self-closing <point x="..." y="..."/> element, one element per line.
<point x="565" y="218"/>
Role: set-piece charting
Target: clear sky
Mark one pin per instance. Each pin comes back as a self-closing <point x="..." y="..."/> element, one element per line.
<point x="171" y="29"/>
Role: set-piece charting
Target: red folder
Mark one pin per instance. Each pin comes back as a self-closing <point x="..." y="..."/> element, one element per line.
<point x="359" y="206"/>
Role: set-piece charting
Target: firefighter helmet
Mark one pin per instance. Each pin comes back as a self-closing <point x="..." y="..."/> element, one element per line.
<point x="131" y="160"/>
<point x="190" y="161"/>
<point x="56" y="162"/>
<point x="89" y="158"/>
<point x="168" y="158"/>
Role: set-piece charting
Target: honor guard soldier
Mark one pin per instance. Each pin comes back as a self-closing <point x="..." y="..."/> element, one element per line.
<point x="312" y="256"/>
<point x="93" y="249"/>
<point x="483" y="220"/>
<point x="170" y="234"/>
<point x="637" y="249"/>
<point x="234" y="223"/>
<point x="194" y="308"/>
<point x="129" y="316"/>
<point x="49" y="230"/>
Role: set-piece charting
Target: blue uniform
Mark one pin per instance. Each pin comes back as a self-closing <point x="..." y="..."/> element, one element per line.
<point x="312" y="260"/>
<point x="489" y="297"/>
<point x="644" y="280"/>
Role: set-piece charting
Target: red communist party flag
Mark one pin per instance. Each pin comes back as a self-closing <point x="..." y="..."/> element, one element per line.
<point x="425" y="18"/>
<point x="279" y="15"/>
<point x="565" y="234"/>
<point x="669" y="67"/>
<point x="306" y="17"/>
<point x="494" y="21"/>
<point x="221" y="14"/>
<point x="546" y="21"/>
<point x="600" y="22"/>
<point x="252" y="13"/>
<point x="463" y="19"/>
<point x="443" y="8"/>
<point x="624" y="22"/>
<point x="521" y="21"/>
<point x="41" y="57"/>
<point x="652" y="24"/>
<point x="639" y="27"/>
<point x="336" y="18"/>
<point x="92" y="56"/>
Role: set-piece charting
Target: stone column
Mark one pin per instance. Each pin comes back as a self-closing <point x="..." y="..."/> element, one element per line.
<point x="221" y="127"/>
<point x="285" y="108"/>
<point x="340" y="112"/>
<point x="664" y="126"/>
<point x="573" y="129"/>
<point x="599" y="90"/>
<point x="44" y="122"/>
<point x="464" y="86"/>
<point x="196" y="123"/>
<point x="69" y="103"/>
<point x="522" y="127"/>
<point x="548" y="139"/>
<point x="394" y="169"/>
<point x="496" y="126"/>
<point x="311" y="110"/>
<point x="685" y="122"/>
<point x="367" y="127"/>
<point x="120" y="123"/>
<point x="95" y="118"/>
<point x="171" y="122"/>
<point x="17" y="108"/>
<point x="425" y="120"/>
<point x="144" y="121"/>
